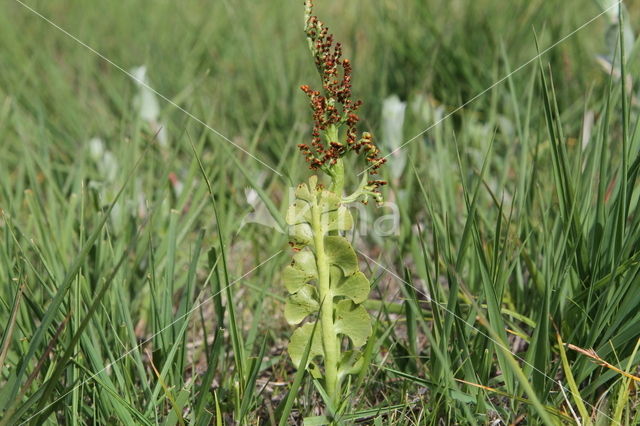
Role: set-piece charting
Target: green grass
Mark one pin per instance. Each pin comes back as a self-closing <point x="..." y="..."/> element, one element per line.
<point x="134" y="291"/>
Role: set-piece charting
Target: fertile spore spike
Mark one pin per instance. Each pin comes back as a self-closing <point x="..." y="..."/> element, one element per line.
<point x="334" y="107"/>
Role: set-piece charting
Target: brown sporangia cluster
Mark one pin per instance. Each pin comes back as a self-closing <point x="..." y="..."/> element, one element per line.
<point x="334" y="106"/>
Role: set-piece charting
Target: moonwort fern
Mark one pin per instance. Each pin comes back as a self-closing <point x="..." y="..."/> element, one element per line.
<point x="323" y="279"/>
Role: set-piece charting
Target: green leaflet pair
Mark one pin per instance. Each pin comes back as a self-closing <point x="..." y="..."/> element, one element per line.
<point x="324" y="282"/>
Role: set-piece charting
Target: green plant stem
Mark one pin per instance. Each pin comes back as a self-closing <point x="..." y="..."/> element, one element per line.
<point x="337" y="178"/>
<point x="329" y="339"/>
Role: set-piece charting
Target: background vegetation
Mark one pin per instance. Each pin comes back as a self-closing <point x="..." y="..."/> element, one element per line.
<point x="126" y="299"/>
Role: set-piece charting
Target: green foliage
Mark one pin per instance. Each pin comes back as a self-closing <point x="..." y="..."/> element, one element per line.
<point x="314" y="214"/>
